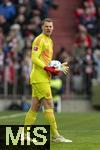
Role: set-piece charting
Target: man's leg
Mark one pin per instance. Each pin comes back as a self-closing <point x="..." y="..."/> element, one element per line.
<point x="30" y="117"/>
<point x="32" y="113"/>
<point x="49" y="115"/>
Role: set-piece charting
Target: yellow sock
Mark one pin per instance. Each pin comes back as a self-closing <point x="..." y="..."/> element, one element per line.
<point x="49" y="116"/>
<point x="30" y="117"/>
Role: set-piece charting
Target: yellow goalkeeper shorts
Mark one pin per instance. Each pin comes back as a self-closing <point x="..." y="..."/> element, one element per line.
<point x="41" y="90"/>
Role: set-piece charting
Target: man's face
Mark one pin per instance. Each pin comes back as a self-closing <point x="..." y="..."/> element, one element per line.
<point x="47" y="28"/>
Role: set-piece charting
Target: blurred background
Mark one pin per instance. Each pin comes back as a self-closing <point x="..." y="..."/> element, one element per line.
<point x="76" y="40"/>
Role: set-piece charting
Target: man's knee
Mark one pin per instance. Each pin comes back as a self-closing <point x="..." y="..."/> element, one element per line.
<point x="35" y="104"/>
<point x="48" y="104"/>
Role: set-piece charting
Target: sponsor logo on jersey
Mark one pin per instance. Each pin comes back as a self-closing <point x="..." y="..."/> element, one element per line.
<point x="35" y="48"/>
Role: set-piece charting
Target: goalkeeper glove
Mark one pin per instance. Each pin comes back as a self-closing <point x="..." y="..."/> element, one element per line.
<point x="64" y="67"/>
<point x="52" y="70"/>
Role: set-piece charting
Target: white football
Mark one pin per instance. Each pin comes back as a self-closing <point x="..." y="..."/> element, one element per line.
<point x="56" y="64"/>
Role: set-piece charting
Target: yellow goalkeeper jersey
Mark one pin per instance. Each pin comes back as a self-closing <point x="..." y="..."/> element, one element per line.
<point x="42" y="52"/>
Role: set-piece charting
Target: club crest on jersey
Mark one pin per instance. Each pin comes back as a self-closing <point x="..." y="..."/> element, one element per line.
<point x="35" y="48"/>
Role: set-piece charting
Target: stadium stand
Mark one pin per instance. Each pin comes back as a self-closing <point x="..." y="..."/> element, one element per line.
<point x="20" y="22"/>
<point x="87" y="44"/>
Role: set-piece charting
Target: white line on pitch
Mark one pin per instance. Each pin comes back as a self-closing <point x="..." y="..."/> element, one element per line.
<point x="12" y="116"/>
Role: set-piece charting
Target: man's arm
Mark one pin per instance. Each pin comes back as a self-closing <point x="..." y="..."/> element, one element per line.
<point x="36" y="51"/>
<point x="41" y="64"/>
<point x="37" y="61"/>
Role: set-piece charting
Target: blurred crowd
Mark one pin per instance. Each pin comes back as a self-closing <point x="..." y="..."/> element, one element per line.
<point x="86" y="58"/>
<point x="20" y="22"/>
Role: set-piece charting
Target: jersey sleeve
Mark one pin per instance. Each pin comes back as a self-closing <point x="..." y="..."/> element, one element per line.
<point x="37" y="47"/>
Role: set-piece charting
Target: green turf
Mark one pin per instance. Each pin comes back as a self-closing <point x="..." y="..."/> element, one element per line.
<point x="96" y="94"/>
<point x="82" y="128"/>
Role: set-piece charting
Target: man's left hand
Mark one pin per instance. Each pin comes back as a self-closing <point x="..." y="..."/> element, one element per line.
<point x="64" y="67"/>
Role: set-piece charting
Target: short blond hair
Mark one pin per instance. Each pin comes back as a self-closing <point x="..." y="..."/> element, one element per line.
<point x="46" y="20"/>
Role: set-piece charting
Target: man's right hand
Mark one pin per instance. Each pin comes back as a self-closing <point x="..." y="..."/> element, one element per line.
<point x="52" y="70"/>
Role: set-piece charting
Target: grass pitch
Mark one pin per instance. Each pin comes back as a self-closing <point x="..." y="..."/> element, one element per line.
<point x="82" y="128"/>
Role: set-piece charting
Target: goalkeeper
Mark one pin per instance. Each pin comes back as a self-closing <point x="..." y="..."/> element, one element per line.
<point x="42" y="52"/>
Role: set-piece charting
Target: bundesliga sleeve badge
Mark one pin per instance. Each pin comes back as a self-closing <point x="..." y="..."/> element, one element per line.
<point x="35" y="48"/>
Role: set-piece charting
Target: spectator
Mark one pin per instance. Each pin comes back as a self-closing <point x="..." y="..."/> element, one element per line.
<point x="1" y="61"/>
<point x="21" y="17"/>
<point x="83" y="40"/>
<point x="63" y="56"/>
<point x="29" y="37"/>
<point x="9" y="72"/>
<point x="2" y="39"/>
<point x="41" y="6"/>
<point x="34" y="25"/>
<point x="7" y="15"/>
<point x="89" y="21"/>
<point x="88" y="71"/>
<point x="76" y="75"/>
<point x="15" y="40"/>
<point x="90" y="4"/>
<point x="26" y="69"/>
<point x="7" y="10"/>
<point x="81" y="11"/>
<point x="97" y="60"/>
